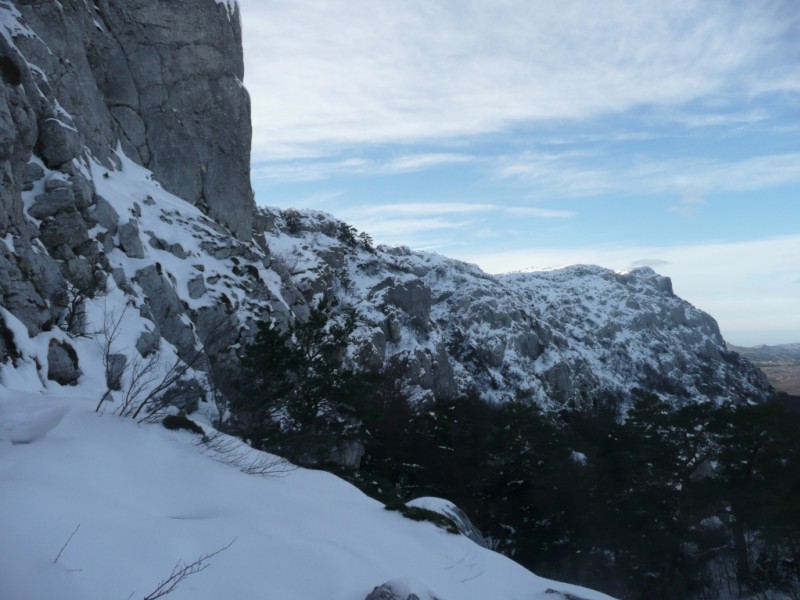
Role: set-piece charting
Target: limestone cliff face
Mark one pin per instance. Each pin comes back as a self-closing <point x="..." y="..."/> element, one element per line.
<point x="86" y="86"/>
<point x="162" y="79"/>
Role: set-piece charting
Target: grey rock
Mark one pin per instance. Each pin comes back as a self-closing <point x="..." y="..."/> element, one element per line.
<point x="129" y="240"/>
<point x="217" y="328"/>
<point x="197" y="287"/>
<point x="414" y="298"/>
<point x="133" y="129"/>
<point x="64" y="229"/>
<point x="160" y="244"/>
<point x="31" y="172"/>
<point x="444" y="385"/>
<point x="383" y="592"/>
<point x="79" y="272"/>
<point x="56" y="183"/>
<point x="388" y="591"/>
<point x="148" y="342"/>
<point x="177" y="250"/>
<point x="44" y="273"/>
<point x="160" y="78"/>
<point x="62" y="363"/>
<point x="105" y="214"/>
<point x="53" y="202"/>
<point x="83" y="190"/>
<point x="168" y="312"/>
<point x="58" y="142"/>
<point x="19" y="296"/>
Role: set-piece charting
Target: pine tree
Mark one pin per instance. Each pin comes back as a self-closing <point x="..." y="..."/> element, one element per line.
<point x="296" y="395"/>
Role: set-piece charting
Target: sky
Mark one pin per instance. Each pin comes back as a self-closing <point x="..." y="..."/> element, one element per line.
<point x="520" y="134"/>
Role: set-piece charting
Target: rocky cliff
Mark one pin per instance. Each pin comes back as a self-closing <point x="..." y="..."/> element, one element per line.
<point x="128" y="224"/>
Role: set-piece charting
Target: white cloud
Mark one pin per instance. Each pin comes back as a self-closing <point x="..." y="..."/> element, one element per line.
<point x="553" y="175"/>
<point x="417" y="209"/>
<point x="542" y="213"/>
<point x="315" y="169"/>
<point x="405" y="223"/>
<point x="653" y="263"/>
<point x="749" y="287"/>
<point x="402" y="228"/>
<point x="688" y="206"/>
<point x="419" y="162"/>
<point x="721" y="119"/>
<point x="325" y="75"/>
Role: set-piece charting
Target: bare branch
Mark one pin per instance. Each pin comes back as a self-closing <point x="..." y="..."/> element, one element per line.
<point x="69" y="539"/>
<point x="231" y="451"/>
<point x="181" y="571"/>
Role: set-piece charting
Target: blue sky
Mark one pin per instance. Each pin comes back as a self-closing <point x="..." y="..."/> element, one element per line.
<point x="532" y="133"/>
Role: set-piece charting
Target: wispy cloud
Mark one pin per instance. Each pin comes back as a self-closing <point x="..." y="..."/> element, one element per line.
<point x="722" y="119"/>
<point x="688" y="206"/>
<point x="401" y="223"/>
<point x="653" y="263"/>
<point x="419" y="162"/>
<point x="457" y="209"/>
<point x="417" y="209"/>
<point x="311" y="169"/>
<point x="405" y="227"/>
<point x="689" y="177"/>
<point x="542" y="213"/>
<point x="330" y="75"/>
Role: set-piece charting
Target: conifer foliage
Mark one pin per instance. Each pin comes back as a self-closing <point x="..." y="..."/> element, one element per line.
<point x="295" y="394"/>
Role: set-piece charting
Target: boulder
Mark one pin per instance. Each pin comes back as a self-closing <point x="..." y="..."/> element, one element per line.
<point x="31" y="172"/>
<point x="129" y="240"/>
<point x="52" y="202"/>
<point x="58" y="142"/>
<point x="62" y="363"/>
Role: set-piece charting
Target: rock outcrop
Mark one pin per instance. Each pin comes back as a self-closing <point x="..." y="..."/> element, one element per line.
<point x="163" y="81"/>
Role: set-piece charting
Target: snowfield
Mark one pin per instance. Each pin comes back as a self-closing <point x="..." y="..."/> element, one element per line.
<point x="144" y="498"/>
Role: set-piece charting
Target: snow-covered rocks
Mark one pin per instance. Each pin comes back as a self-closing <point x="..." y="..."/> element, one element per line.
<point x="25" y="418"/>
<point x="582" y="337"/>
<point x="452" y="512"/>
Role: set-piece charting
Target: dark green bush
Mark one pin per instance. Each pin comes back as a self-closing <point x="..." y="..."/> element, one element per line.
<point x="175" y="422"/>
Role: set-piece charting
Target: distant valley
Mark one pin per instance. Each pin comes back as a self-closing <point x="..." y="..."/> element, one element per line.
<point x="780" y="363"/>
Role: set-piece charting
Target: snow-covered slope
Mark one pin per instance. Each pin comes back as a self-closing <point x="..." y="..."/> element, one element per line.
<point x="581" y="336"/>
<point x="143" y="498"/>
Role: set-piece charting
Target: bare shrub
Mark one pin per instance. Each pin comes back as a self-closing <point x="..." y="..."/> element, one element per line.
<point x="181" y="571"/>
<point x="231" y="451"/>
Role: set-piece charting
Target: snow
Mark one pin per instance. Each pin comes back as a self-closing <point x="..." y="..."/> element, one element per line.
<point x="143" y="498"/>
<point x="231" y="5"/>
<point x="23" y="423"/>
